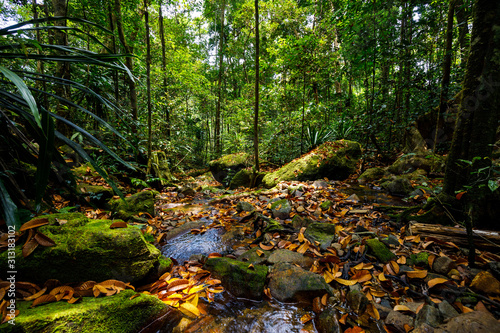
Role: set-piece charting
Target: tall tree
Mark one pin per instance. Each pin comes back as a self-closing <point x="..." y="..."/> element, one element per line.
<point x="218" y="148"/>
<point x="164" y="67"/>
<point x="148" y="83"/>
<point x="256" y="112"/>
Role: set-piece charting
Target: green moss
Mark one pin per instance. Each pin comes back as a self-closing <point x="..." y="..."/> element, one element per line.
<point x="238" y="278"/>
<point x="420" y="259"/>
<point x="273" y="226"/>
<point x="141" y="202"/>
<point x="109" y="314"/>
<point x="324" y="233"/>
<point x="86" y="250"/>
<point x="372" y="174"/>
<point x="241" y="178"/>
<point x="325" y="205"/>
<point x="379" y="250"/>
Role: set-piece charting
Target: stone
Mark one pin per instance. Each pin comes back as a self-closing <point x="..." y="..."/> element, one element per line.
<point x="111" y="314"/>
<point x="372" y="174"/>
<point x="281" y="209"/>
<point x="357" y="301"/>
<point x="289" y="283"/>
<point x="88" y="250"/>
<point x="325" y="205"/>
<point x="224" y="168"/>
<point x="476" y="321"/>
<point x="244" y="206"/>
<point x="238" y="278"/>
<point x="447" y="310"/>
<point x="160" y="168"/>
<point x="411" y="162"/>
<point x="187" y="191"/>
<point x="442" y="265"/>
<point x="353" y="197"/>
<point x="494" y="268"/>
<point x="96" y="194"/>
<point x="398" y="186"/>
<point x="399" y="320"/>
<point x="242" y="178"/>
<point x="328" y="321"/>
<point x="298" y="222"/>
<point x="429" y="315"/>
<point x="252" y="257"/>
<point x="379" y="250"/>
<point x="391" y="240"/>
<point x="324" y="233"/>
<point x="320" y="184"/>
<point x="383" y="311"/>
<point x="141" y="202"/>
<point x="283" y="255"/>
<point x="486" y="283"/>
<point x="334" y="160"/>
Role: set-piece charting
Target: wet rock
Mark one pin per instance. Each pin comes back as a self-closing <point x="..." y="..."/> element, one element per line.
<point x="299" y="222"/>
<point x="187" y="191"/>
<point x="476" y="321"/>
<point x="242" y="178"/>
<point x="325" y="205"/>
<point x="96" y="194"/>
<point x="383" y="311"/>
<point x="290" y="283"/>
<point x="421" y="259"/>
<point x="494" y="268"/>
<point x="141" y="202"/>
<point x="224" y="168"/>
<point x="372" y="174"/>
<point x="485" y="282"/>
<point x="399" y="186"/>
<point x="424" y="328"/>
<point x="391" y="240"/>
<point x="283" y="255"/>
<point x="338" y="248"/>
<point x="411" y="162"/>
<point x="238" y="278"/>
<point x="353" y="197"/>
<point x="320" y="184"/>
<point x="324" y="233"/>
<point x="429" y="315"/>
<point x="300" y="209"/>
<point x="442" y="265"/>
<point x="447" y="310"/>
<point x="252" y="257"/>
<point x="357" y="301"/>
<point x="281" y="209"/>
<point x="335" y="160"/>
<point x="328" y="321"/>
<point x="399" y="320"/>
<point x="114" y="314"/>
<point x="244" y="206"/>
<point x="87" y="250"/>
<point x="379" y="250"/>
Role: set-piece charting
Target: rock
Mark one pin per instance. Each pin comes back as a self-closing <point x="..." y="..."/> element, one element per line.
<point x="241" y="178"/>
<point x="238" y="278"/>
<point x="328" y="321"/>
<point x="424" y="328"/>
<point x="335" y="160"/>
<point x="324" y="233"/>
<point x="357" y="301"/>
<point x="476" y="321"/>
<point x="447" y="310"/>
<point x="485" y="282"/>
<point x="300" y="209"/>
<point x="413" y="140"/>
<point x="353" y="197"/>
<point x="442" y="265"/>
<point x="320" y="184"/>
<point x="244" y="206"/>
<point x="289" y="283"/>
<point x="299" y="222"/>
<point x="428" y="315"/>
<point x="252" y="257"/>
<point x="421" y="259"/>
<point x="383" y="311"/>
<point x="411" y="162"/>
<point x="391" y="240"/>
<point x="111" y="314"/>
<point x="281" y="209"/>
<point x="338" y="248"/>
<point x="399" y="186"/>
<point x="187" y="191"/>
<point x="141" y="202"/>
<point x="379" y="250"/>
<point x="494" y="268"/>
<point x="96" y="194"/>
<point x="399" y="320"/>
<point x="325" y="205"/>
<point x="160" y="167"/>
<point x="224" y="168"/>
<point x="283" y="255"/>
<point x="87" y="250"/>
<point x="372" y="174"/>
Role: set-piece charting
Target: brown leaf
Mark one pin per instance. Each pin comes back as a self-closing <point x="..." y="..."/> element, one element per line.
<point x="266" y="247"/>
<point x="34" y="223"/>
<point x="34" y="296"/>
<point x="29" y="247"/>
<point x="118" y="224"/>
<point x="44" y="240"/>
<point x="317" y="306"/>
<point x="74" y="300"/>
<point x="416" y="274"/>
<point x="306" y="318"/>
<point x="44" y="299"/>
<point x="436" y="281"/>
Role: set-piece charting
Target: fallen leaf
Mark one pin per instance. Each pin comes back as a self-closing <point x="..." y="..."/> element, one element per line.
<point x="346" y="282"/>
<point x="34" y="296"/>
<point x="436" y="281"/>
<point x="34" y="223"/>
<point x="43" y="299"/>
<point x="420" y="274"/>
<point x="190" y="308"/>
<point x="400" y="307"/>
<point x="266" y="247"/>
<point x="29" y="247"/>
<point x="44" y="240"/>
<point x="118" y="224"/>
<point x="305" y="318"/>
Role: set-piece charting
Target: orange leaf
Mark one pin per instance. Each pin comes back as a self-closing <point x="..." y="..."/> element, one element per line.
<point x="459" y="195"/>
<point x="214" y="255"/>
<point x="44" y="240"/>
<point x="266" y="247"/>
<point x="29" y="247"/>
<point x="355" y="329"/>
<point x="345" y="282"/>
<point x="436" y="281"/>
<point x="372" y="311"/>
<point x="38" y="294"/>
<point x="343" y="319"/>
<point x="34" y="223"/>
<point x="118" y="224"/>
<point x="43" y="299"/>
<point x="416" y="274"/>
<point x="305" y="318"/>
<point x="401" y="308"/>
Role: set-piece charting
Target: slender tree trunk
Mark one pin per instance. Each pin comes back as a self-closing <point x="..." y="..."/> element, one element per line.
<point x="148" y="84"/>
<point x="303" y="114"/>
<point x="164" y="70"/>
<point x="462" y="15"/>
<point x="256" y="113"/>
<point x="128" y="62"/>
<point x="113" y="42"/>
<point x="218" y="149"/>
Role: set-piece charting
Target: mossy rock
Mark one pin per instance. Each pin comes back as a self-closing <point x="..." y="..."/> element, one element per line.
<point x="281" y="209"/>
<point x="420" y="259"/>
<point x="411" y="162"/>
<point x="96" y="193"/>
<point x="86" y="250"/>
<point x="398" y="185"/>
<point x="372" y="174"/>
<point x="324" y="233"/>
<point x="229" y="165"/>
<point x="241" y="178"/>
<point x="325" y="205"/>
<point x="112" y="314"/>
<point x="85" y="170"/>
<point x="141" y="202"/>
<point x="238" y="278"/>
<point x="334" y="160"/>
<point x="379" y="250"/>
<point x="160" y="168"/>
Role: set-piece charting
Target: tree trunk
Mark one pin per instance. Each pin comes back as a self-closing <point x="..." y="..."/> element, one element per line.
<point x="218" y="149"/>
<point x="462" y="14"/>
<point x="148" y="84"/>
<point x="256" y="113"/>
<point x="164" y="70"/>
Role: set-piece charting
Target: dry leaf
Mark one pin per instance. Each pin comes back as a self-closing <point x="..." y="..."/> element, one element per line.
<point x="402" y="308"/>
<point x="44" y="240"/>
<point x="416" y="274"/>
<point x="305" y="318"/>
<point x="266" y="247"/>
<point x="44" y="299"/>
<point x="346" y="282"/>
<point x="29" y="247"/>
<point x="118" y="224"/>
<point x="34" y="223"/>
<point x="34" y="296"/>
<point x="436" y="281"/>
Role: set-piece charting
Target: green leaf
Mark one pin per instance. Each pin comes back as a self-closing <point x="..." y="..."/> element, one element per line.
<point x="25" y="93"/>
<point x="44" y="158"/>
<point x="9" y="208"/>
<point x="492" y="185"/>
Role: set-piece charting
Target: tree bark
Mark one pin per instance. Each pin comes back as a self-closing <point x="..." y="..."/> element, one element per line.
<point x="218" y="149"/>
<point x="164" y="69"/>
<point x="256" y="113"/>
<point x="148" y="84"/>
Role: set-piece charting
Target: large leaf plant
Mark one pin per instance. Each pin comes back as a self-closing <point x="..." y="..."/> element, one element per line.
<point x="27" y="97"/>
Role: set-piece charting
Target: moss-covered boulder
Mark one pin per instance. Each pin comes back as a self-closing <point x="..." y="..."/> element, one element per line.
<point x="95" y="194"/>
<point x="239" y="279"/>
<point x="289" y="283"/>
<point x="255" y="256"/>
<point x="86" y="250"/>
<point x="112" y="314"/>
<point x="241" y="178"/>
<point x="141" y="202"/>
<point x="335" y="160"/>
<point x="379" y="250"/>
<point x="372" y="174"/>
<point x="224" y="168"/>
<point x="281" y="209"/>
<point x="398" y="185"/>
<point x="323" y="233"/>
<point x="411" y="162"/>
<point x="160" y="168"/>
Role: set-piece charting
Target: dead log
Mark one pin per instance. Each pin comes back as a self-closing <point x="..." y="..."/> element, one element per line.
<point x="483" y="239"/>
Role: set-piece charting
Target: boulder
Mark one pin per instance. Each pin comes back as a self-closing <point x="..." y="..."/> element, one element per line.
<point x="281" y="209"/>
<point x="324" y="233"/>
<point x="252" y="257"/>
<point x="283" y="255"/>
<point x="398" y="185"/>
<point x="96" y="194"/>
<point x="334" y="160"/>
<point x="224" y="168"/>
<point x="241" y="178"/>
<point x="141" y="202"/>
<point x="476" y="321"/>
<point x="411" y="162"/>
<point x="112" y="314"/>
<point x="379" y="250"/>
<point x="372" y="174"/>
<point x="87" y="250"/>
<point x="244" y="206"/>
<point x="160" y="167"/>
<point x="289" y="283"/>
<point x="238" y="278"/>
